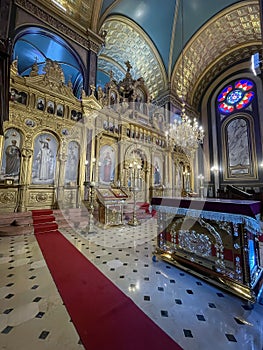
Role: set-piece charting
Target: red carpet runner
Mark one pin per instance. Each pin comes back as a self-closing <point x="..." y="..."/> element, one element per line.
<point x="104" y="317"/>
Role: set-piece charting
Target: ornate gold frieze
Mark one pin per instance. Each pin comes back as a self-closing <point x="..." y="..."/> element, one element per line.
<point x="70" y="27"/>
<point x="8" y="197"/>
<point x="40" y="197"/>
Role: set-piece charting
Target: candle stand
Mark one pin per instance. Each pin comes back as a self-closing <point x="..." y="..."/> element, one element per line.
<point x="201" y="185"/>
<point x="91" y="196"/>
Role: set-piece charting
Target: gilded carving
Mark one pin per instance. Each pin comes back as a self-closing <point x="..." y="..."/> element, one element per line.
<point x="81" y="17"/>
<point x="37" y="127"/>
<point x="41" y="197"/>
<point x="7" y="197"/>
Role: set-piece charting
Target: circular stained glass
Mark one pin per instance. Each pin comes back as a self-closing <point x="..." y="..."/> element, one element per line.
<point x="235" y="97"/>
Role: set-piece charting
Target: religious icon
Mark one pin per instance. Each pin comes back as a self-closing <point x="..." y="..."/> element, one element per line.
<point x="157" y="175"/>
<point x="59" y="110"/>
<point x="107" y="164"/>
<point x="40" y="104"/>
<point x="71" y="173"/>
<point x="11" y="160"/>
<point x="44" y="160"/>
<point x="13" y="156"/>
<point x="50" y="107"/>
<point x="30" y="123"/>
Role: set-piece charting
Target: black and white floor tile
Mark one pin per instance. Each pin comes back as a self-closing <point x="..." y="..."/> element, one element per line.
<point x="195" y="314"/>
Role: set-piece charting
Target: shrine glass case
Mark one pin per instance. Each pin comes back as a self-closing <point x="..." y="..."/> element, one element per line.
<point x="214" y="239"/>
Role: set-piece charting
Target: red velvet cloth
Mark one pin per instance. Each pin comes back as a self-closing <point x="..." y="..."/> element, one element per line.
<point x="105" y="318"/>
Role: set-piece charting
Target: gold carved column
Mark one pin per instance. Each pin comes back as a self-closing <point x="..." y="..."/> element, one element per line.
<point x="61" y="179"/>
<point x="25" y="176"/>
<point x="121" y="170"/>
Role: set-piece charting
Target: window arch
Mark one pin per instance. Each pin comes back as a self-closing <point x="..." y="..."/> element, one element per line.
<point x="239" y="150"/>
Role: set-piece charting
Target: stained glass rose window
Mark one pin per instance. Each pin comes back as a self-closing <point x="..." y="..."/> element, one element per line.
<point x="235" y="97"/>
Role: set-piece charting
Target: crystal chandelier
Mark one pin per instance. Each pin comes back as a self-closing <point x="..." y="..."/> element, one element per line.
<point x="184" y="133"/>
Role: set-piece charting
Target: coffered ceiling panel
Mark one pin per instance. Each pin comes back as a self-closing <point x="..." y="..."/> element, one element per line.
<point x="152" y="35"/>
<point x="125" y="41"/>
<point x="233" y="30"/>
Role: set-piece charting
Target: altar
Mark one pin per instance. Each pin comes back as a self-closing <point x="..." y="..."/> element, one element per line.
<point x="111" y="202"/>
<point x="214" y="239"/>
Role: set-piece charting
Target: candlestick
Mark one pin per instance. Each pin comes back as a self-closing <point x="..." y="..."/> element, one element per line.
<point x="201" y="185"/>
<point x="92" y="171"/>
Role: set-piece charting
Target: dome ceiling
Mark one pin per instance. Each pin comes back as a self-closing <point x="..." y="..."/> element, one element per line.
<point x="151" y="35"/>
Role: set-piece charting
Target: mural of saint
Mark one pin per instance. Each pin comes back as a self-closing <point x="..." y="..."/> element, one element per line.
<point x="71" y="174"/>
<point x="44" y="160"/>
<point x="11" y="161"/>
<point x="107" y="163"/>
<point x="239" y="153"/>
<point x="157" y="175"/>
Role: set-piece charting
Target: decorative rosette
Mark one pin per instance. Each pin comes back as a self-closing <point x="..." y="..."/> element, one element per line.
<point x="235" y="98"/>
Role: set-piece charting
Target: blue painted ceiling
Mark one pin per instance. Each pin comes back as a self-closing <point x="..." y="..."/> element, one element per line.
<point x="157" y="19"/>
<point x="35" y="45"/>
<point x="161" y="21"/>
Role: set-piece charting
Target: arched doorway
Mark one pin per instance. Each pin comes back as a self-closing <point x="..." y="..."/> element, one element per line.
<point x="137" y="157"/>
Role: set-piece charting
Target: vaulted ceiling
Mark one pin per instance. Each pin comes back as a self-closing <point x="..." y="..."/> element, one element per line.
<point x="152" y="35"/>
<point x="213" y="35"/>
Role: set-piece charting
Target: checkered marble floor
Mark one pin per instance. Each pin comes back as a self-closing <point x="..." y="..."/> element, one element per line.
<point x="195" y="314"/>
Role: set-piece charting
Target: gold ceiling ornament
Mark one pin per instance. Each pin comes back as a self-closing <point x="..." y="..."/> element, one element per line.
<point x="221" y="65"/>
<point x="83" y="12"/>
<point x="234" y="28"/>
<point x="126" y="41"/>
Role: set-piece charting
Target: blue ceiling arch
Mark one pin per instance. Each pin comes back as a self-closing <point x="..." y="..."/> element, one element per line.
<point x="159" y="18"/>
<point x="35" y="44"/>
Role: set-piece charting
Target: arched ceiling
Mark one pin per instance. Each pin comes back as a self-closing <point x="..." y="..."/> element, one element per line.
<point x="35" y="45"/>
<point x="212" y="35"/>
<point x="152" y="34"/>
